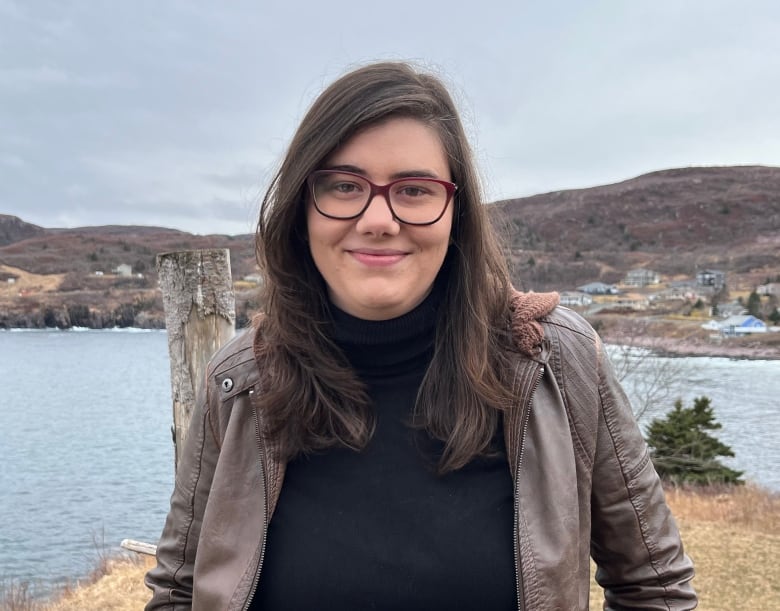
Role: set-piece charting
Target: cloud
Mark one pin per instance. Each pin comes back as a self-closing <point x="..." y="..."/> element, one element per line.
<point x="147" y="112"/>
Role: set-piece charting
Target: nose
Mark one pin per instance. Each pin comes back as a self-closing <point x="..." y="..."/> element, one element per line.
<point x="378" y="218"/>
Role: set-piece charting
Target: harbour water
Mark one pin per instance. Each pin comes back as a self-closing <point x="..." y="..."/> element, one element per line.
<point x="86" y="458"/>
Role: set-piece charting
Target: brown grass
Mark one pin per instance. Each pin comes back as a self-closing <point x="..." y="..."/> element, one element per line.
<point x="120" y="589"/>
<point x="733" y="536"/>
<point x="32" y="283"/>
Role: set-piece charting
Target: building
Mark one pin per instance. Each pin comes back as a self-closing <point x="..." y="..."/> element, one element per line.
<point x="631" y="301"/>
<point x="737" y="325"/>
<point x="680" y="292"/>
<point x="727" y="310"/>
<point x="598" y="288"/>
<point x="124" y="270"/>
<point x="641" y="277"/>
<point x="773" y="288"/>
<point x="711" y="279"/>
<point x="575" y="299"/>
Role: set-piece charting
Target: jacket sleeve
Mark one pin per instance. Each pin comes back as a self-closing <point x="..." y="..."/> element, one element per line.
<point x="171" y="581"/>
<point x="635" y="541"/>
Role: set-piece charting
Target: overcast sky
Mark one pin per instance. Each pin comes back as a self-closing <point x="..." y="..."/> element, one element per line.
<point x="176" y="112"/>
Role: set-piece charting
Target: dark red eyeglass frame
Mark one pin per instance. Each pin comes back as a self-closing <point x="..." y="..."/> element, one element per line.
<point x="383" y="190"/>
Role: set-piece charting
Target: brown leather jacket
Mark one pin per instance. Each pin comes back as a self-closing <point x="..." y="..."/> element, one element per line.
<point x="584" y="485"/>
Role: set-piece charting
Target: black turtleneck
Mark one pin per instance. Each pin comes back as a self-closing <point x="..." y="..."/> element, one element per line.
<point x="378" y="529"/>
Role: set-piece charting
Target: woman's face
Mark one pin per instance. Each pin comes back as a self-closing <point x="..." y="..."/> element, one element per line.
<point x="375" y="267"/>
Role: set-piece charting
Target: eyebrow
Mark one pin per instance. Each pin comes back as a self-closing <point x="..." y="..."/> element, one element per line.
<point x="395" y="176"/>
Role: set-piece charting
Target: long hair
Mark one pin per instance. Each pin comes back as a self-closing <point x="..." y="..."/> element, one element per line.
<point x="313" y="399"/>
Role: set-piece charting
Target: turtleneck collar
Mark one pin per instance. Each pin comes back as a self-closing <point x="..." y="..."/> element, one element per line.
<point x="389" y="347"/>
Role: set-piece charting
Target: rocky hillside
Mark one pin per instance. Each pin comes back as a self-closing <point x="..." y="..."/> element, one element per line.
<point x="673" y="221"/>
<point x="13" y="229"/>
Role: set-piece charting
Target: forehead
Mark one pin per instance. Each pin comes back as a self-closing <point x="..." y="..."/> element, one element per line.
<point x="398" y="142"/>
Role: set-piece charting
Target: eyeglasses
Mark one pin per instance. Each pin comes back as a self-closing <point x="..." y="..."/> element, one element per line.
<point x="413" y="201"/>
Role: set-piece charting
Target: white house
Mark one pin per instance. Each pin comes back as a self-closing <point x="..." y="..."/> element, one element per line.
<point x="631" y="301"/>
<point x="727" y="310"/>
<point x="737" y="325"/>
<point x="124" y="270"/>
<point x="598" y="288"/>
<point x="575" y="298"/>
<point x="641" y="277"/>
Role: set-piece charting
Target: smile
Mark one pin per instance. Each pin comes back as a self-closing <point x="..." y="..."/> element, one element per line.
<point x="377" y="258"/>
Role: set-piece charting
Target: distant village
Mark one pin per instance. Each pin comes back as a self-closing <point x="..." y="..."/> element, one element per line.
<point x="704" y="295"/>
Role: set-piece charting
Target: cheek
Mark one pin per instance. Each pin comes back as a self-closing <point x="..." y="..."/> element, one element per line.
<point x="438" y="241"/>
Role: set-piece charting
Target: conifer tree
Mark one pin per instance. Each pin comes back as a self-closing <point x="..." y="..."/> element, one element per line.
<point x="683" y="450"/>
<point x="754" y="305"/>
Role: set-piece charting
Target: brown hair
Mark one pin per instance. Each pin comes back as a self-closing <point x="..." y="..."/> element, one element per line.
<point x="313" y="399"/>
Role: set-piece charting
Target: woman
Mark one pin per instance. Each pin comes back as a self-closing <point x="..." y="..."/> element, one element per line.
<point x="400" y="429"/>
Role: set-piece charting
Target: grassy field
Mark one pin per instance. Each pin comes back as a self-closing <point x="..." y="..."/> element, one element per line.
<point x="733" y="537"/>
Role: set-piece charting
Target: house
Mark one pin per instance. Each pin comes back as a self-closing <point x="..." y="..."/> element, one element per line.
<point x="124" y="270"/>
<point x="773" y="288"/>
<point x="598" y="288"/>
<point x="11" y="280"/>
<point x="711" y="278"/>
<point x="737" y="325"/>
<point x="641" y="277"/>
<point x="631" y="301"/>
<point x="726" y="310"/>
<point x="681" y="292"/>
<point x="575" y="298"/>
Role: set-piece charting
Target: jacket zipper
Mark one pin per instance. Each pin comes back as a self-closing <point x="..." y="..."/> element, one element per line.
<point x="518" y="464"/>
<point x="264" y="471"/>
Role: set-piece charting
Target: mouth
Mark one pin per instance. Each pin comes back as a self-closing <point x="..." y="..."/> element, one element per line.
<point x="374" y="257"/>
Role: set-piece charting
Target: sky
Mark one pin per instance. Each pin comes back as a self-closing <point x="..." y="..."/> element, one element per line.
<point x="176" y="113"/>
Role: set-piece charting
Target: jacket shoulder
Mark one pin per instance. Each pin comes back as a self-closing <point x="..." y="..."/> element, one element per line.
<point x="566" y="323"/>
<point x="575" y="354"/>
<point x="232" y="368"/>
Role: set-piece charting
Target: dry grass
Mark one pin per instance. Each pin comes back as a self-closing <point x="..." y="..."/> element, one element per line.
<point x="743" y="507"/>
<point x="733" y="536"/>
<point x="120" y="589"/>
<point x="33" y="283"/>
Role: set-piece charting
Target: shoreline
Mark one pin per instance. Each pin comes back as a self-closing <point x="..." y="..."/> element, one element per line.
<point x="660" y="345"/>
<point x="664" y="346"/>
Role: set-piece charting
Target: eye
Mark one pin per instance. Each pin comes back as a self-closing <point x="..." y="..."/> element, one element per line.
<point x="344" y="187"/>
<point x="339" y="186"/>
<point x="418" y="191"/>
<point x="415" y="190"/>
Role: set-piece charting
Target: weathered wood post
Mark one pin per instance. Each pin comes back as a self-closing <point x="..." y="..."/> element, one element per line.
<point x="200" y="316"/>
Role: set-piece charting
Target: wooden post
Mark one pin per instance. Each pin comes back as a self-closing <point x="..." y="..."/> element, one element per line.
<point x="200" y="315"/>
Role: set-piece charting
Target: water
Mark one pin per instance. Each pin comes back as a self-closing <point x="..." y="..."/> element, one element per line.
<point x="86" y="458"/>
<point x="745" y="398"/>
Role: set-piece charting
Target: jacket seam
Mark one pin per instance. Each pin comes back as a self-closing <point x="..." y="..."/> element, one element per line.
<point x="627" y="483"/>
<point x="191" y="516"/>
<point x="558" y="374"/>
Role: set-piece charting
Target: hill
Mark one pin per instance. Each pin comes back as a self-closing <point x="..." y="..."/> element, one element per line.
<point x="68" y="277"/>
<point x="673" y="221"/>
<point x="13" y="229"/>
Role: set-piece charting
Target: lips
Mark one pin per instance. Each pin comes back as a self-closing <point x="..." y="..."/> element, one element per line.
<point x="374" y="257"/>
